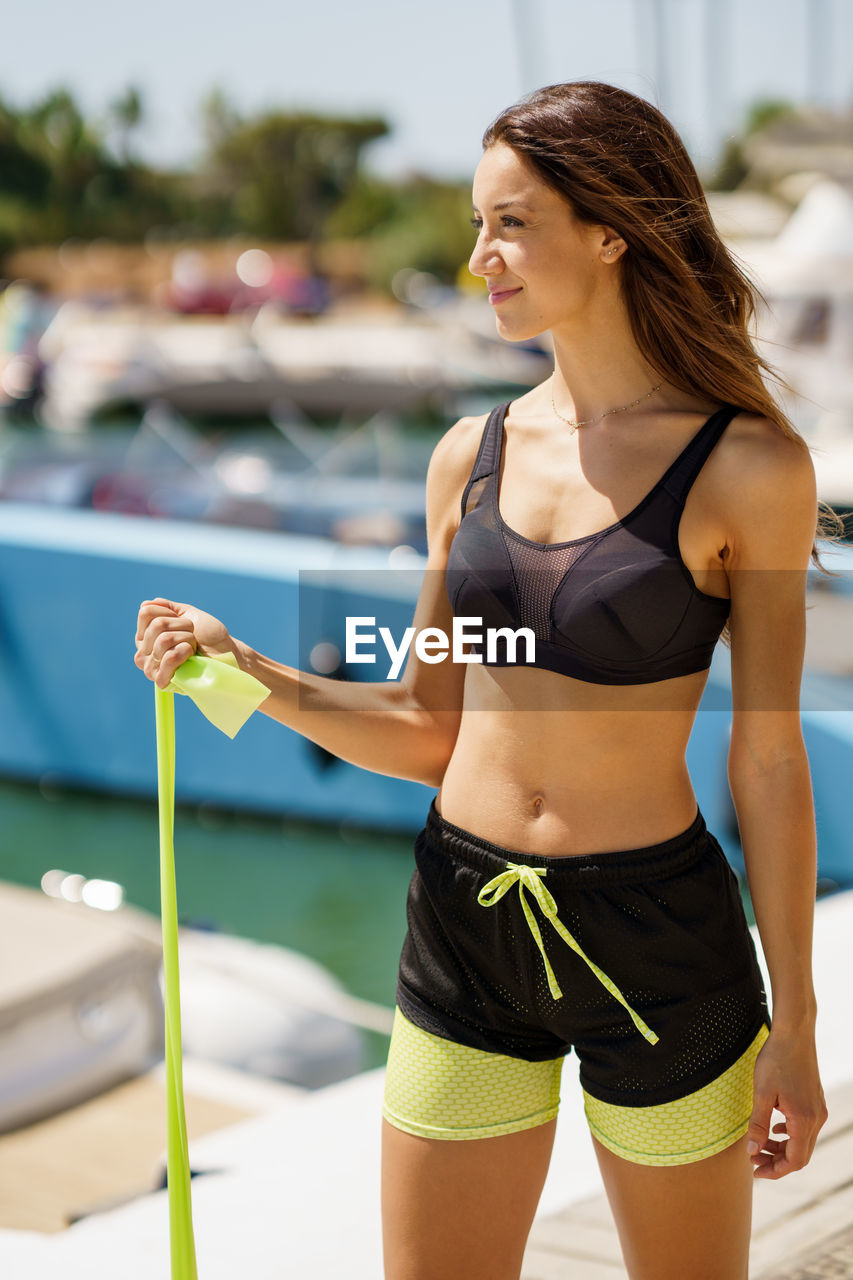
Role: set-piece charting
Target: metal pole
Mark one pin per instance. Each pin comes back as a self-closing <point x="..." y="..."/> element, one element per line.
<point x="718" y="52"/>
<point x="661" y="12"/>
<point x="819" y="51"/>
<point x="525" y="21"/>
<point x="650" y="29"/>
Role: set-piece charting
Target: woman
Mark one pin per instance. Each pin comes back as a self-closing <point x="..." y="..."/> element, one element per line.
<point x="567" y="893"/>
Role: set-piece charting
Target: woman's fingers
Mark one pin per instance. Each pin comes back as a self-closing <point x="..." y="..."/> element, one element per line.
<point x="168" y="632"/>
<point x="759" y="1123"/>
<point x="164" y="640"/>
<point x="149" y="609"/>
<point x="792" y="1152"/>
<point x="786" y="1080"/>
<point x="163" y="624"/>
<point x="176" y="646"/>
<point x="161" y="670"/>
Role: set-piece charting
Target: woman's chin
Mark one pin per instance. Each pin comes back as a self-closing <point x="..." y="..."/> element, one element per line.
<point x="516" y="332"/>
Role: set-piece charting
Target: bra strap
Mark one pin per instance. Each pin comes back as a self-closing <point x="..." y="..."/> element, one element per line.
<point x="484" y="463"/>
<point x="687" y="466"/>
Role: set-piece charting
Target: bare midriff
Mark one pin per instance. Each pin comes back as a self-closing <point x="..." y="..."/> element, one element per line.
<point x="546" y="764"/>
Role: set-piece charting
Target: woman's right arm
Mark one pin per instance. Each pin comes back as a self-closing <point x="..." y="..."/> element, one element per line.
<point x="404" y="728"/>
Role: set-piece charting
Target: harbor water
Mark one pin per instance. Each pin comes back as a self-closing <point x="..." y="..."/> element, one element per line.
<point x="335" y="893"/>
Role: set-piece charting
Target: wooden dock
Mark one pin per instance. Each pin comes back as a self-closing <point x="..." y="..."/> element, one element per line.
<point x="66" y="1166"/>
<point x="112" y="1148"/>
<point x="802" y="1224"/>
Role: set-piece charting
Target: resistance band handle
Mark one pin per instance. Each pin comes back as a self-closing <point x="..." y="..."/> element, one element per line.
<point x="226" y="696"/>
<point x="181" y="1238"/>
<point x="224" y="693"/>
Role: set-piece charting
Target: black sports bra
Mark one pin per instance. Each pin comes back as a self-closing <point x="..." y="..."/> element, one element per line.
<point x="616" y="607"/>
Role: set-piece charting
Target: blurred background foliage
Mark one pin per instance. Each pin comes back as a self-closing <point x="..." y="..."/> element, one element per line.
<point x="287" y="176"/>
<point x="733" y="167"/>
<point x="284" y="176"/>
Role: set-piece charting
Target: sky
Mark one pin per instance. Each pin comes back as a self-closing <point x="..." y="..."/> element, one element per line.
<point x="438" y="70"/>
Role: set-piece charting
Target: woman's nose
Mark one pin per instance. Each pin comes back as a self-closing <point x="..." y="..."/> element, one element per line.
<point x="485" y="260"/>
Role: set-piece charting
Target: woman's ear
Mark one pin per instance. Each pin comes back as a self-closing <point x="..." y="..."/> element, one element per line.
<point x="612" y="246"/>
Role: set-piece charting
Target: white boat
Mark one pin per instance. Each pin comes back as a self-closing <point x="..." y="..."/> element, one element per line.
<point x="81" y="1002"/>
<point x="95" y="359"/>
<point x="806" y="332"/>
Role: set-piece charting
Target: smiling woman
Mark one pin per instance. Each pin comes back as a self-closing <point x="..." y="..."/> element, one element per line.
<point x="516" y="246"/>
<point x="647" y="498"/>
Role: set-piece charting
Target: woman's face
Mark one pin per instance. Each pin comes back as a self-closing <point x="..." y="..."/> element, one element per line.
<point x="542" y="265"/>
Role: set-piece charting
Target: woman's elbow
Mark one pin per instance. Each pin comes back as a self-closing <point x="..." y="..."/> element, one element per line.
<point x="764" y="752"/>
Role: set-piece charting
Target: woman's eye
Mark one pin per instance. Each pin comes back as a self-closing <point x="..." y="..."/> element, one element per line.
<point x="507" y="221"/>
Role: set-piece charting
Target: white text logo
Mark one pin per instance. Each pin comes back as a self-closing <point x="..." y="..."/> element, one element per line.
<point x="432" y="644"/>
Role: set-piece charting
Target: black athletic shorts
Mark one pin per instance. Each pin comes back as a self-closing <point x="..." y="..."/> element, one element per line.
<point x="662" y="926"/>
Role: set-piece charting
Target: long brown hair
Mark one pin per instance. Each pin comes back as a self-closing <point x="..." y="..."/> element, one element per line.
<point x="619" y="162"/>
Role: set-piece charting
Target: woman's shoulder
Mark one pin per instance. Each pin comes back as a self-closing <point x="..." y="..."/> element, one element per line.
<point x="450" y="467"/>
<point x="767" y="493"/>
<point x="456" y="451"/>
<point x="762" y="459"/>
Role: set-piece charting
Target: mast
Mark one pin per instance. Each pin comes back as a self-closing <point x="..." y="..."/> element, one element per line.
<point x="650" y="34"/>
<point x="716" y="37"/>
<point x="525" y="21"/>
<point x="659" y="49"/>
<point x="819" y="52"/>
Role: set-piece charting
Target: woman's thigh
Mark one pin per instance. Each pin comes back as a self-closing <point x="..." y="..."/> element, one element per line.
<point x="460" y="1210"/>
<point x="467" y="1139"/>
<point x="683" y="1222"/>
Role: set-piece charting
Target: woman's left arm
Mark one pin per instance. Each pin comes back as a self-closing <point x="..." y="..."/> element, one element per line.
<point x="772" y="517"/>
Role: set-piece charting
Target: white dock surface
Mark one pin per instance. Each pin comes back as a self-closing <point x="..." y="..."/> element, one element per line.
<point x="294" y="1191"/>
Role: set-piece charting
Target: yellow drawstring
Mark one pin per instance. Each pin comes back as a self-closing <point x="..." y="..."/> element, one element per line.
<point x="528" y="877"/>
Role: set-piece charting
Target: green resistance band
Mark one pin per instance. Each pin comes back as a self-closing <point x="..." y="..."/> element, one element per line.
<point x="226" y="696"/>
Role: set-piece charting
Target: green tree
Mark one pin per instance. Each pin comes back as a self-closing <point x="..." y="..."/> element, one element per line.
<point x="56" y="130"/>
<point x="286" y="172"/>
<point x="732" y="167"/>
<point x="125" y="117"/>
<point x="280" y="175"/>
<point x="219" y="119"/>
<point x="764" y="111"/>
<point x="58" y="180"/>
<point x="369" y="203"/>
<point x="24" y="175"/>
<point x="430" y="230"/>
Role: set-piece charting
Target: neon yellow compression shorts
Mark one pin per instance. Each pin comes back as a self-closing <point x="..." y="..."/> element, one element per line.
<point x="640" y="961"/>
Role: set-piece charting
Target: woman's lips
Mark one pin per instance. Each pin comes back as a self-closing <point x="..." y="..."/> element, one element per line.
<point x="502" y="295"/>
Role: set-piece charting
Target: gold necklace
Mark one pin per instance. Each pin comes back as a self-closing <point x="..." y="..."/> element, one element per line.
<point x="574" y="424"/>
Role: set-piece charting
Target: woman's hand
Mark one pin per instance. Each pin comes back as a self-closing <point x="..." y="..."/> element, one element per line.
<point x="167" y="633"/>
<point x="786" y="1077"/>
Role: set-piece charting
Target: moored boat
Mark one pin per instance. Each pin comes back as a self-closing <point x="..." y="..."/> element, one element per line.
<point x="81" y="1002"/>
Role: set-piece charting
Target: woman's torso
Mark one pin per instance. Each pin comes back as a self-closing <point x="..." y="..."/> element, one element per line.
<point x="546" y="763"/>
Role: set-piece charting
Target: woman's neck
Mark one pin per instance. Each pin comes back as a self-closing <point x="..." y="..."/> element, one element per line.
<point x="598" y="365"/>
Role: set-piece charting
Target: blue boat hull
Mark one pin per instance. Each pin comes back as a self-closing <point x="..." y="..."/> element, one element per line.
<point x="75" y="710"/>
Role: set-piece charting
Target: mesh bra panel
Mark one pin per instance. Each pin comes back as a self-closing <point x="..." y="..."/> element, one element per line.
<point x="473" y="494"/>
<point x="538" y="572"/>
<point x="617" y="607"/>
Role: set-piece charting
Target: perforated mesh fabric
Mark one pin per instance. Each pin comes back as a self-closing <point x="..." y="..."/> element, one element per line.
<point x="537" y="569"/>
<point x="665" y="923"/>
<point x="436" y="1088"/>
<point x="684" y="1130"/>
<point x="538" y="572"/>
<point x="616" y="607"/>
